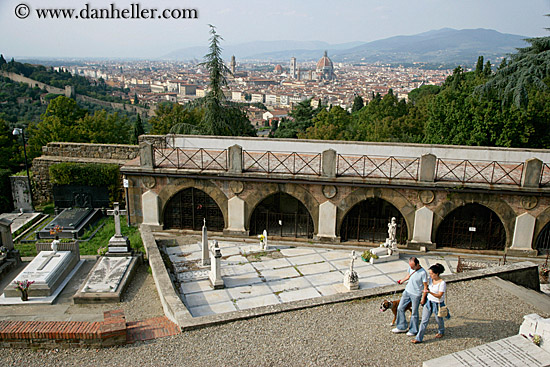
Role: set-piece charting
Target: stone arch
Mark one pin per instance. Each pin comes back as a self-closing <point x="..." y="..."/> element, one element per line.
<point x="296" y="191"/>
<point x="170" y="190"/>
<point x="404" y="206"/>
<point x="542" y="220"/>
<point x="503" y="211"/>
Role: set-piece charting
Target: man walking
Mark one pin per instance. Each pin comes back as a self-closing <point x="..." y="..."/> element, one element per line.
<point x="414" y="292"/>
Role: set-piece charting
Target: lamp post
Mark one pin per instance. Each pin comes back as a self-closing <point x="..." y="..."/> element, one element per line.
<point x="19" y="131"/>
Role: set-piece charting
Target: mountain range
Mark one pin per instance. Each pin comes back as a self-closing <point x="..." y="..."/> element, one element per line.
<point x="438" y="46"/>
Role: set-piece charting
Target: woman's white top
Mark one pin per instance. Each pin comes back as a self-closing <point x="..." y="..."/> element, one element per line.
<point x="439" y="287"/>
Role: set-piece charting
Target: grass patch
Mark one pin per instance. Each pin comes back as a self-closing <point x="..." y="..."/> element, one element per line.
<point x="26" y="249"/>
<point x="48" y="208"/>
<point x="102" y="237"/>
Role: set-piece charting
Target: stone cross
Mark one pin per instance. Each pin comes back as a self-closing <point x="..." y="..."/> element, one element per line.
<point x="47" y="261"/>
<point x="205" y="254"/>
<point x="116" y="212"/>
<point x="353" y="257"/>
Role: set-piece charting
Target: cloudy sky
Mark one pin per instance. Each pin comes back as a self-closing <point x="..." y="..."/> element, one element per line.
<point x="238" y="21"/>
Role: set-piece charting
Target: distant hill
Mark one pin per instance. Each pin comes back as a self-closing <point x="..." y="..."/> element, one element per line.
<point x="249" y="49"/>
<point x="438" y="46"/>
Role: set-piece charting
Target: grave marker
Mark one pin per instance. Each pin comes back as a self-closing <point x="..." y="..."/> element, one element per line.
<point x="118" y="244"/>
<point x="205" y="247"/>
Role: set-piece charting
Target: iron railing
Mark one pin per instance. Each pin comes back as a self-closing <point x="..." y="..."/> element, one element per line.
<point x="545" y="175"/>
<point x="278" y="162"/>
<point x="485" y="172"/>
<point x="200" y="159"/>
<point x="378" y="167"/>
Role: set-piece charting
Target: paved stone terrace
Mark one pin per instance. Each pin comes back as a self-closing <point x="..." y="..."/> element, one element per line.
<point x="255" y="278"/>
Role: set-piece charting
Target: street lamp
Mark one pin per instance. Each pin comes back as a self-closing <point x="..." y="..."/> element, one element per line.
<point x="19" y="131"/>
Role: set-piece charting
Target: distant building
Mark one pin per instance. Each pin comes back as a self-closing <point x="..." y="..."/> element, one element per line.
<point x="233" y="65"/>
<point x="293" y="68"/>
<point x="278" y="69"/>
<point x="325" y="68"/>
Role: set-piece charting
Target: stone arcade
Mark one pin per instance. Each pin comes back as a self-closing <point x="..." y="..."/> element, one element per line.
<point x="497" y="198"/>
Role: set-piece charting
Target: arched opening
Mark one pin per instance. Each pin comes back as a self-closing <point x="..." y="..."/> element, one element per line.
<point x="368" y="221"/>
<point x="472" y="227"/>
<point x="189" y="208"/>
<point x="543" y="240"/>
<point x="282" y="215"/>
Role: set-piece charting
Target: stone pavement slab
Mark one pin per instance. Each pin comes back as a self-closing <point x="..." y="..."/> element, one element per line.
<point x="289" y="296"/>
<point x="298" y="251"/>
<point x="240" y="280"/>
<point x="266" y="300"/>
<point x="213" y="309"/>
<point x="325" y="278"/>
<point x="289" y="284"/>
<point x="309" y="269"/>
<point x="207" y="298"/>
<point x="306" y="259"/>
<point x="282" y="273"/>
<point x="249" y="291"/>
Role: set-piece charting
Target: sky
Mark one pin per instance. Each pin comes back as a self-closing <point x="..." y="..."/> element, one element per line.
<point x="239" y="21"/>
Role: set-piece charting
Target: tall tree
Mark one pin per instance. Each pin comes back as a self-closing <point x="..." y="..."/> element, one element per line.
<point x="525" y="69"/>
<point x="138" y="129"/>
<point x="221" y="117"/>
<point x="358" y="103"/>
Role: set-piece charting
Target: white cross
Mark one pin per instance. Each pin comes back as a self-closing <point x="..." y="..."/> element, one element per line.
<point x="47" y="261"/>
<point x="116" y="212"/>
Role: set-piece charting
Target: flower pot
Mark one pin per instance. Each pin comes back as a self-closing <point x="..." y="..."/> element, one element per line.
<point x="24" y="295"/>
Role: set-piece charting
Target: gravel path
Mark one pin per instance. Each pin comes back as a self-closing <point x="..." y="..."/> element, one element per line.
<point x="345" y="334"/>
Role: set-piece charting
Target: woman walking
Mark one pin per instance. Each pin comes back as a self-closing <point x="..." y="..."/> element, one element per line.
<point x="436" y="298"/>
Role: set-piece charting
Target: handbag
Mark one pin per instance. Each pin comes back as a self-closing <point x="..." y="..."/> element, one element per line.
<point x="443" y="311"/>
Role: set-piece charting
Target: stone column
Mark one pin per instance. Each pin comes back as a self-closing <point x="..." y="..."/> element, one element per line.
<point x="236" y="217"/>
<point x="532" y="171"/>
<point x="215" y="274"/>
<point x="329" y="163"/>
<point x="426" y="172"/>
<point x="150" y="207"/>
<point x="146" y="155"/>
<point x="327" y="223"/>
<point x="423" y="224"/>
<point x="204" y="246"/>
<point x="235" y="158"/>
<point x="522" y="241"/>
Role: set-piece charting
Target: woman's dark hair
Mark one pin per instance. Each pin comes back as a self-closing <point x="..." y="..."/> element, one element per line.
<point x="437" y="268"/>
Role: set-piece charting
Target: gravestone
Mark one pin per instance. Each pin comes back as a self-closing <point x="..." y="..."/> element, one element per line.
<point x="73" y="196"/>
<point x="48" y="270"/>
<point x="119" y="245"/>
<point x="112" y="274"/>
<point x="74" y="222"/>
<point x="22" y="194"/>
<point x="9" y="256"/>
<point x="351" y="279"/>
<point x="215" y="274"/>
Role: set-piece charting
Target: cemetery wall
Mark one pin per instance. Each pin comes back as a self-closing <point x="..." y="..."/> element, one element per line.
<point x="78" y="153"/>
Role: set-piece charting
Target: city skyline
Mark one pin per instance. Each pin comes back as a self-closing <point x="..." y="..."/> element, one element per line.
<point x="239" y="21"/>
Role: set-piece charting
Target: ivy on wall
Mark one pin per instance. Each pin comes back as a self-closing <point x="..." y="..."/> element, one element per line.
<point x="87" y="174"/>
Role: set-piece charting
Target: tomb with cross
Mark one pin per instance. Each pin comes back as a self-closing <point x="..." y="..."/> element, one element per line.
<point x="119" y="245"/>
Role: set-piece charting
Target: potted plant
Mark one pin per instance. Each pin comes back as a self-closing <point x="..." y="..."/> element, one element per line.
<point x="368" y="256"/>
<point x="24" y="286"/>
